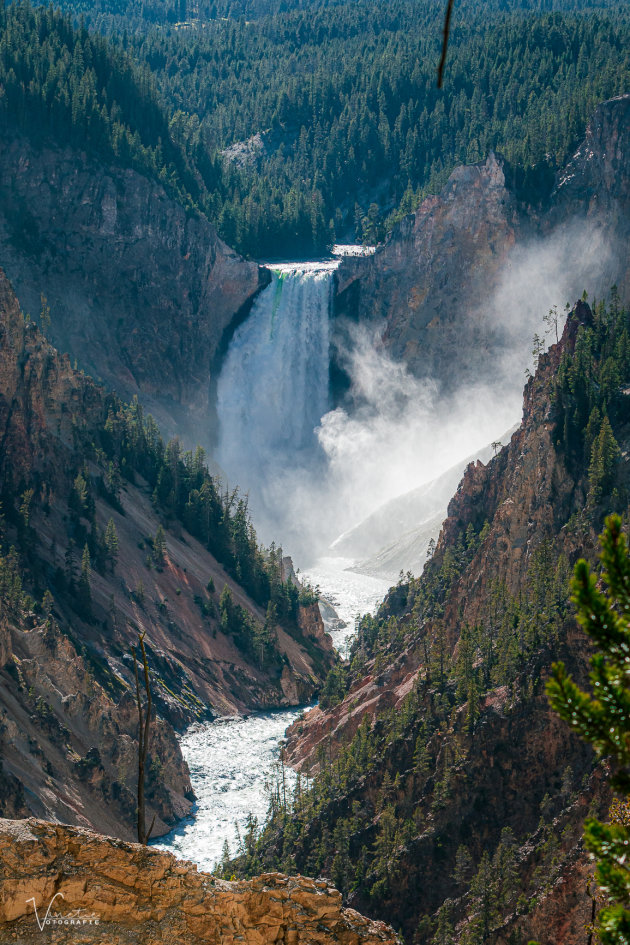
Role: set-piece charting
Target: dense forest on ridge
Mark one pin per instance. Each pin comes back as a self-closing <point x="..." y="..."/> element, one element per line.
<point x="306" y="125"/>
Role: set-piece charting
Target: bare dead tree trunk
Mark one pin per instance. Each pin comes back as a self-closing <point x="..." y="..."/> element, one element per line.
<point x="445" y="35"/>
<point x="591" y="928"/>
<point x="593" y="918"/>
<point x="144" y="731"/>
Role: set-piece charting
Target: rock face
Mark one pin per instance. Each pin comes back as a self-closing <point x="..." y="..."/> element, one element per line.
<point x="125" y="893"/>
<point x="70" y="745"/>
<point x="140" y="290"/>
<point x="596" y="183"/>
<point x="528" y="505"/>
<point x="429" y="281"/>
<point x="525" y="493"/>
<point x="68" y="721"/>
<point x="450" y="281"/>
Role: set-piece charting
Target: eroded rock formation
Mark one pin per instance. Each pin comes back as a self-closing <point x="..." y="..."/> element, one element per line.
<point x="529" y="506"/>
<point x="140" y="290"/>
<point x="135" y="894"/>
<point x="68" y="721"/>
<point x="449" y="288"/>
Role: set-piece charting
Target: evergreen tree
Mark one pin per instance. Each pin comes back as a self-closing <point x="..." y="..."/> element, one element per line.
<point x="605" y="454"/>
<point x="159" y="546"/>
<point x="472" y="713"/>
<point x="84" y="591"/>
<point x="603" y="717"/>
<point x="484" y="894"/>
<point x="80" y="492"/>
<point x="111" y="541"/>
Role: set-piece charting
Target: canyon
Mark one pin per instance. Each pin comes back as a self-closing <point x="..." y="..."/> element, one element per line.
<point x="67" y="704"/>
<point x="442" y="782"/>
<point x="141" y="291"/>
<point x="454" y="286"/>
<point x="146" y="297"/>
<point x="149" y="301"/>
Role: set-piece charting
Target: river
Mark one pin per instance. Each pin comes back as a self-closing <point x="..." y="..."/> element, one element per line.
<point x="273" y="394"/>
<point x="232" y="761"/>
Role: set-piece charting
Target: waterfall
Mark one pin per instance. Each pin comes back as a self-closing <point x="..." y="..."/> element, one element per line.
<point x="274" y="384"/>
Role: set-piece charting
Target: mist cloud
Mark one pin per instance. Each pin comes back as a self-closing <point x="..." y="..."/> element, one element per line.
<point x="397" y="432"/>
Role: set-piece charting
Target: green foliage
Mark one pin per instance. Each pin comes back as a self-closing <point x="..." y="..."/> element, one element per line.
<point x="12" y="594"/>
<point x="591" y="401"/>
<point x="334" y="688"/>
<point x="602" y="717"/>
<point x="66" y="84"/>
<point x="184" y="490"/>
<point x="354" y="131"/>
<point x="111" y="541"/>
<point x="376" y="799"/>
<point x="605" y="455"/>
<point x="159" y="546"/>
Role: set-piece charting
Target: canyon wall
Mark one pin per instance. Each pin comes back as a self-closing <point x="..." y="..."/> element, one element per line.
<point x="68" y="720"/>
<point x="423" y="753"/>
<point x="141" y="291"/>
<point x="124" y="893"/>
<point x="454" y="285"/>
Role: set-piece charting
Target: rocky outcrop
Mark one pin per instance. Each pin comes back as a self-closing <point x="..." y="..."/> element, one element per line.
<point x="71" y="743"/>
<point x="141" y="291"/>
<point x="453" y="287"/>
<point x="517" y="767"/>
<point x="526" y="493"/>
<point x="67" y="712"/>
<point x="125" y="893"/>
<point x="429" y="282"/>
<point x="595" y="182"/>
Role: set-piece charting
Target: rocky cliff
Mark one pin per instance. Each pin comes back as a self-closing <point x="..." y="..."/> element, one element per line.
<point x="140" y="291"/>
<point x="89" y="888"/>
<point x="67" y="704"/>
<point x="429" y="281"/>
<point x="438" y="755"/>
<point x="455" y="285"/>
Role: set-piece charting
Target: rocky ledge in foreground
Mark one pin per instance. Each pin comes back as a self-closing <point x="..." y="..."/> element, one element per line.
<point x="94" y="888"/>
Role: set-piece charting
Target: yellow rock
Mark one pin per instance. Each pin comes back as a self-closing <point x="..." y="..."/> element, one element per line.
<point x="121" y="893"/>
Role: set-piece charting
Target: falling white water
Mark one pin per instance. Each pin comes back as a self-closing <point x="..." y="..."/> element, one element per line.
<point x="274" y="384"/>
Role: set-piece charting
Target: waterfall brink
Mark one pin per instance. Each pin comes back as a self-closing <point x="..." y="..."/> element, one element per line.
<point x="274" y="384"/>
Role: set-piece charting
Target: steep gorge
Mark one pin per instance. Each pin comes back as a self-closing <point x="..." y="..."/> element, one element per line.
<point x="436" y="754"/>
<point x="71" y="467"/>
<point x="141" y="291"/>
<point x="457" y="286"/>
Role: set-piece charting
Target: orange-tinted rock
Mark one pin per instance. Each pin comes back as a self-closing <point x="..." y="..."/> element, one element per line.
<point x="143" y="896"/>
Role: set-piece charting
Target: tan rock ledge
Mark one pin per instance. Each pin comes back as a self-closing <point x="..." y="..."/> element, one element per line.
<point x="69" y="885"/>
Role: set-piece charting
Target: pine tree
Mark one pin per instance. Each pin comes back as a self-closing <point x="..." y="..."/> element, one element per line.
<point x="603" y="718"/>
<point x="463" y="866"/>
<point x="472" y="714"/>
<point x="605" y="453"/>
<point x="47" y="603"/>
<point x="84" y="591"/>
<point x="25" y="507"/>
<point x="80" y="494"/>
<point x="444" y="933"/>
<point x="111" y="541"/>
<point x="484" y="894"/>
<point x="159" y="546"/>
